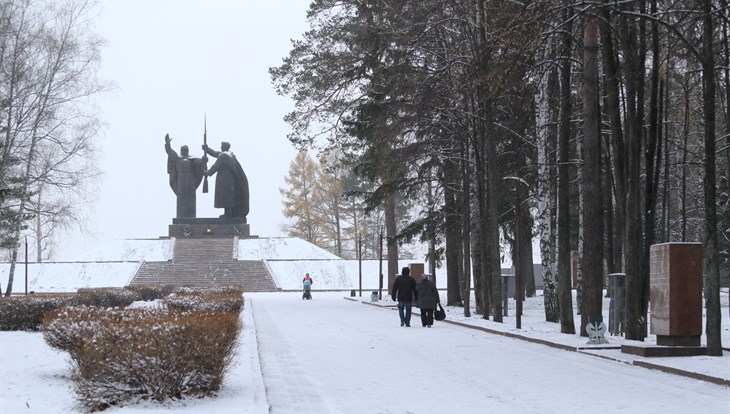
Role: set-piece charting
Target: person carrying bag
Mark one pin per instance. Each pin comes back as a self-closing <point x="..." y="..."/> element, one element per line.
<point x="439" y="314"/>
<point x="428" y="299"/>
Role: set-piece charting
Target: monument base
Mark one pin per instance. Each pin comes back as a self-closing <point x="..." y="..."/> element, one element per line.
<point x="663" y="351"/>
<point x="210" y="227"/>
<point x="678" y="340"/>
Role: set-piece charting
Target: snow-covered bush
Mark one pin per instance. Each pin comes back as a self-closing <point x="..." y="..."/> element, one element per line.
<point x="205" y="302"/>
<point x="151" y="292"/>
<point x="66" y="328"/>
<point x="211" y="290"/>
<point x="108" y="297"/>
<point x="25" y="313"/>
<point x="124" y="355"/>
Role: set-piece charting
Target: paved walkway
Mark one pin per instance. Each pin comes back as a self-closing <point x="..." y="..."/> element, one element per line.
<point x="331" y="355"/>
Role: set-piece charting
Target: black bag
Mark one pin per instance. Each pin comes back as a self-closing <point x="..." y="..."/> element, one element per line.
<point x="439" y="314"/>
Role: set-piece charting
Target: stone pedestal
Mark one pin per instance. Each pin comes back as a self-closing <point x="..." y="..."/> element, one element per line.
<point x="417" y="270"/>
<point x="676" y="293"/>
<point x="209" y="227"/>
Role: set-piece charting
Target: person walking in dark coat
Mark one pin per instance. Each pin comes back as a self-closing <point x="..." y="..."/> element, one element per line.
<point x="428" y="297"/>
<point x="404" y="291"/>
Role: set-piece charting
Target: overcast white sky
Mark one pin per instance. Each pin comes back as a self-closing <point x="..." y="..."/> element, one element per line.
<point x="174" y="61"/>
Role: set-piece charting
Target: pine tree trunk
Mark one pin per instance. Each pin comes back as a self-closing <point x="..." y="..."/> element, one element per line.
<point x="652" y="162"/>
<point x="565" y="292"/>
<point x="635" y="322"/>
<point x="725" y="190"/>
<point x="711" y="252"/>
<point x="392" y="246"/>
<point x="592" y="261"/>
<point x="492" y="265"/>
<point x="613" y="111"/>
<point x="466" y="227"/>
<point x="452" y="235"/>
<point x="528" y="270"/>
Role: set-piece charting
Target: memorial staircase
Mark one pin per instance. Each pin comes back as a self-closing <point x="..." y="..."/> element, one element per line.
<point x="201" y="262"/>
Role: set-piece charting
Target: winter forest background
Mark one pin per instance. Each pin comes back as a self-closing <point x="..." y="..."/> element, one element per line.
<point x="467" y="125"/>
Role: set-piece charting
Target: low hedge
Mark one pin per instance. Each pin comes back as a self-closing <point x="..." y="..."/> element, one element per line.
<point x="151" y="292"/>
<point x="109" y="297"/>
<point x="210" y="290"/>
<point x="123" y="355"/>
<point x="205" y="302"/>
<point x="25" y="313"/>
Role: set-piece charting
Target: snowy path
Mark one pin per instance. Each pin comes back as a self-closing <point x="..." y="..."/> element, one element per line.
<point x="333" y="355"/>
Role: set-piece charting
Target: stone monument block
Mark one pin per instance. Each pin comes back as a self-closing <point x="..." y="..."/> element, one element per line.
<point x="417" y="270"/>
<point x="676" y="293"/>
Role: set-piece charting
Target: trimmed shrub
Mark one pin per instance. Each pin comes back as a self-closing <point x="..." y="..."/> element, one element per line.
<point x="105" y="297"/>
<point x="25" y="313"/>
<point x="211" y="290"/>
<point x="124" y="355"/>
<point x="205" y="302"/>
<point x="151" y="292"/>
<point x="66" y="328"/>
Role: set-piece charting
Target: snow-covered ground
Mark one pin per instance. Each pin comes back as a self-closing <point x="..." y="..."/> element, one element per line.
<point x="336" y="354"/>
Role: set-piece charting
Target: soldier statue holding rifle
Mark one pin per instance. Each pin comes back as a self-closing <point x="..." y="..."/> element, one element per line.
<point x="231" y="184"/>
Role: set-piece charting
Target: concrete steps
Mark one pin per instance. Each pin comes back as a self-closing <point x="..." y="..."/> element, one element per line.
<point x="200" y="262"/>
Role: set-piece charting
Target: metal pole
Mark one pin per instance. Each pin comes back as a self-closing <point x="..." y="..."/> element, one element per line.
<point x="359" y="258"/>
<point x="518" y="259"/>
<point x="380" y="289"/>
<point x="26" y="265"/>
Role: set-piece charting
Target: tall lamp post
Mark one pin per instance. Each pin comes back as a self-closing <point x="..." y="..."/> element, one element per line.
<point x="518" y="261"/>
<point x="26" y="265"/>
<point x="380" y="288"/>
<point x="359" y="261"/>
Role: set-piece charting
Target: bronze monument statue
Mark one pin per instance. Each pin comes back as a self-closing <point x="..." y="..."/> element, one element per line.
<point x="186" y="173"/>
<point x="231" y="184"/>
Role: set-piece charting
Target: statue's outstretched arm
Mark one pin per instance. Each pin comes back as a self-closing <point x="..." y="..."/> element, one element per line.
<point x="210" y="151"/>
<point x="168" y="149"/>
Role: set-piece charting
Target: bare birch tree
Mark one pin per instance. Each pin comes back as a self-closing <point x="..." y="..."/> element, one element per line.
<point x="50" y="54"/>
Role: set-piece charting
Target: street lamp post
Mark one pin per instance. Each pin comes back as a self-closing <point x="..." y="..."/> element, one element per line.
<point x="518" y="260"/>
<point x="380" y="288"/>
<point x="26" y="265"/>
<point x="359" y="259"/>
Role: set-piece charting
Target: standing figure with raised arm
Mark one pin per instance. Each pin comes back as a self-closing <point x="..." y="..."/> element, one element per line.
<point x="231" y="184"/>
<point x="186" y="173"/>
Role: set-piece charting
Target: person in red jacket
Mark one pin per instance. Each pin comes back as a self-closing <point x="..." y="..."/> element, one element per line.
<point x="404" y="291"/>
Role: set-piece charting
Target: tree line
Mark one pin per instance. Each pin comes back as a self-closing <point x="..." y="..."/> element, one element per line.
<point x="49" y="54"/>
<point x="325" y="205"/>
<point x="599" y="127"/>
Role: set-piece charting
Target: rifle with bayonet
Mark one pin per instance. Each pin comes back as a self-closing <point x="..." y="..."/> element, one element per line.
<point x="205" y="155"/>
